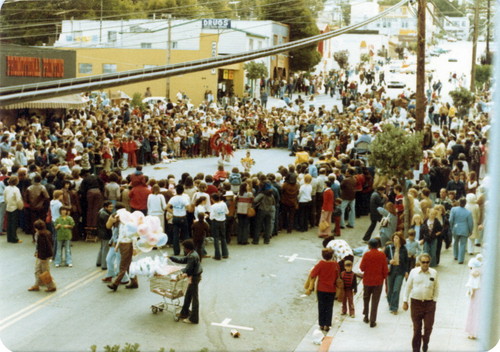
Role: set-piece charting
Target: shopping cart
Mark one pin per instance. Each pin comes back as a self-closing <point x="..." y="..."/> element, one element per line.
<point x="172" y="288"/>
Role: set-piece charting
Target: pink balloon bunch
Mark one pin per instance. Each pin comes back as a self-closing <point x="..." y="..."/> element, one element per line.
<point x="147" y="229"/>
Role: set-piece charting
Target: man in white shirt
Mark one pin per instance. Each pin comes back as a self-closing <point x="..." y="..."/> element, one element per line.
<point x="218" y="214"/>
<point x="422" y="288"/>
<point x="177" y="206"/>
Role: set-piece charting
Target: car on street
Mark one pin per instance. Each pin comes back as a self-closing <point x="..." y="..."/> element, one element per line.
<point x="154" y="100"/>
<point x="396" y="84"/>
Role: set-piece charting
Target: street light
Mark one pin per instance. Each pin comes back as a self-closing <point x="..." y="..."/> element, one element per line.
<point x="235" y="3"/>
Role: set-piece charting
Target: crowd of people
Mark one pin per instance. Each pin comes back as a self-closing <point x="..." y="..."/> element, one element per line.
<point x="64" y="175"/>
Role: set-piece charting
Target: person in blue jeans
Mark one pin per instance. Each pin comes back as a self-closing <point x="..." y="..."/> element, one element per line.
<point x="114" y="257"/>
<point x="461" y="225"/>
<point x="64" y="225"/>
<point x="218" y="214"/>
<point x="397" y="258"/>
<point x="430" y="232"/>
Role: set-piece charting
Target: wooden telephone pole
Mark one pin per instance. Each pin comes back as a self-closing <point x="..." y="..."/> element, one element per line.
<point x="474" y="48"/>
<point x="421" y="79"/>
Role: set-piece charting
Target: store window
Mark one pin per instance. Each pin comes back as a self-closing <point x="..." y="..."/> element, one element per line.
<point x="108" y="68"/>
<point x="85" y="68"/>
<point x="146" y="45"/>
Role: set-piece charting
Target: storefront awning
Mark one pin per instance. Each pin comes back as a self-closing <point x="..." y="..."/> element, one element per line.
<point x="73" y="101"/>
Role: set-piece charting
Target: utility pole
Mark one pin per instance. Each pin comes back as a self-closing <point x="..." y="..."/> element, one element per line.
<point x="421" y="79"/>
<point x="474" y="47"/>
<point x="488" y="15"/>
<point x="100" y="26"/>
<point x="169" y="48"/>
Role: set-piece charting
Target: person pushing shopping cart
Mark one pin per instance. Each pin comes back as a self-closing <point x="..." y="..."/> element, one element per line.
<point x="193" y="272"/>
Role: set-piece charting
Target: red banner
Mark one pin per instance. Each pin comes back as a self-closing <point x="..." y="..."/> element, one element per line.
<point x="23" y="66"/>
<point x="53" y="68"/>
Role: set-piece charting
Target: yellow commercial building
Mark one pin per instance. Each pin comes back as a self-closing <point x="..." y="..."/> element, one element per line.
<point x="230" y="78"/>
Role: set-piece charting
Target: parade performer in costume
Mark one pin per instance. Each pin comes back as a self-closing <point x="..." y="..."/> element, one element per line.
<point x="221" y="143"/>
<point x="247" y="162"/>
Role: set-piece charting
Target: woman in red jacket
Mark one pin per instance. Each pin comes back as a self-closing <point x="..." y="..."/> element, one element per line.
<point x="327" y="271"/>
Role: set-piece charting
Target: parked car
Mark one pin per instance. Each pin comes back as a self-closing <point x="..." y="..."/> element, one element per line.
<point x="153" y="100"/>
<point x="396" y="84"/>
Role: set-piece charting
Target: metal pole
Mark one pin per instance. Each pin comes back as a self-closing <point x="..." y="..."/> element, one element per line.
<point x="420" y="109"/>
<point x="488" y="15"/>
<point x="489" y="332"/>
<point x="474" y="47"/>
<point x="169" y="48"/>
<point x="100" y="26"/>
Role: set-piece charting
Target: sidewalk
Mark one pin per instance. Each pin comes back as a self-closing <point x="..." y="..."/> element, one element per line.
<point x="394" y="332"/>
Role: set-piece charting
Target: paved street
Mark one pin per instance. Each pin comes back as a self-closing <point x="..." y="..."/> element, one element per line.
<point x="259" y="289"/>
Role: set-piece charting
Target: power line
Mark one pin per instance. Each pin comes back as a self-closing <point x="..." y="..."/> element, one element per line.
<point x="29" y="92"/>
<point x="146" y="12"/>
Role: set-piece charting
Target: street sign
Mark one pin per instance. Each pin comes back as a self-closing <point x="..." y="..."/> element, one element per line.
<point x="215" y="23"/>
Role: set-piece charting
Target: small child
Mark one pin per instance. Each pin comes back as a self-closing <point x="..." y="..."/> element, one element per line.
<point x="64" y="225"/>
<point x="155" y="155"/>
<point x="164" y="156"/>
<point x="247" y="162"/>
<point x="43" y="254"/>
<point x="201" y="230"/>
<point x="413" y="248"/>
<point x="350" y="286"/>
<point x="337" y="213"/>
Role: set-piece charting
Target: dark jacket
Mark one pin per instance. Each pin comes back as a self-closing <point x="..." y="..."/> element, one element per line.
<point x="102" y="231"/>
<point x="404" y="263"/>
<point x="427" y="235"/>
<point x="44" y="245"/>
<point x="376" y="201"/>
<point x="348" y="188"/>
<point x="193" y="267"/>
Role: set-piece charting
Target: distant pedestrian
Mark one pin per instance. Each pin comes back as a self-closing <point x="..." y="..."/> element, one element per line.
<point x="43" y="253"/>
<point x="374" y="266"/>
<point x="422" y="291"/>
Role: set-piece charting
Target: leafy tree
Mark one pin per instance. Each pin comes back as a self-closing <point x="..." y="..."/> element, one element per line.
<point x="345" y="8"/>
<point x="249" y="9"/>
<point x="462" y="99"/>
<point x="255" y="70"/>
<point x="137" y="100"/>
<point x="342" y="58"/>
<point x="400" y="50"/>
<point x="395" y="153"/>
<point x="302" y="25"/>
<point x="483" y="74"/>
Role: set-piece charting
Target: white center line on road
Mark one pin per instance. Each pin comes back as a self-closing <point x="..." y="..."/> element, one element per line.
<point x="291" y="258"/>
<point x="225" y="324"/>
<point x="7" y="321"/>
